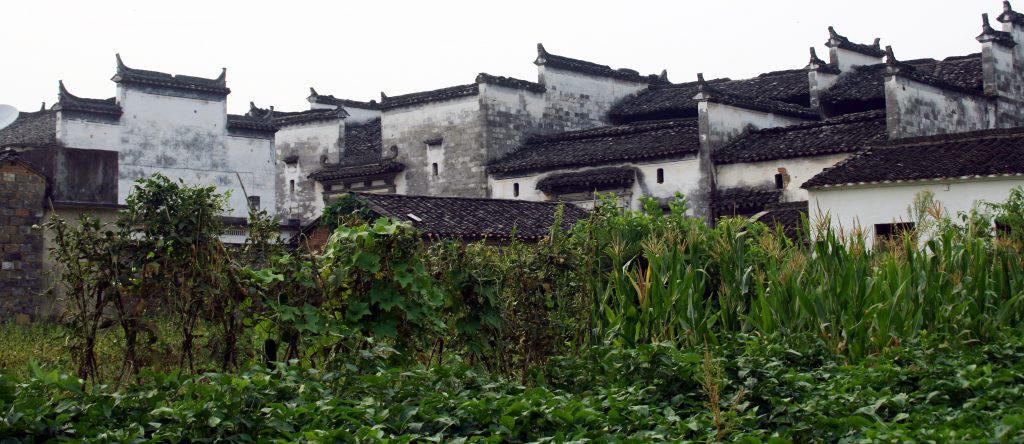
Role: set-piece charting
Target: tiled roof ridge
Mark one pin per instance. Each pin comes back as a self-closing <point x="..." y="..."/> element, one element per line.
<point x="545" y="58"/>
<point x="621" y="176"/>
<point x="327" y="99"/>
<point x="70" y="102"/>
<point x="691" y="84"/>
<point x="611" y="130"/>
<point x="988" y="34"/>
<point x="510" y="82"/>
<point x="285" y="118"/>
<point x="436" y="95"/>
<point x="460" y="198"/>
<point x="839" y="41"/>
<point x="125" y="74"/>
<point x="844" y="119"/>
<point x="236" y="121"/>
<point x="372" y="166"/>
<point x="713" y="94"/>
<point x="985" y="134"/>
<point x="896" y="67"/>
<point x="1009" y="15"/>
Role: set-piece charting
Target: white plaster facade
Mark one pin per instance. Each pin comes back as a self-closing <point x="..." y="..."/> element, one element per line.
<point x="851" y="208"/>
<point x="762" y="174"/>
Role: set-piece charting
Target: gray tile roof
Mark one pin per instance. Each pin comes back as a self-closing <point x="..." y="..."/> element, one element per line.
<point x="38" y="129"/>
<point x="588" y="180"/>
<point x="836" y="135"/>
<point x="155" y="78"/>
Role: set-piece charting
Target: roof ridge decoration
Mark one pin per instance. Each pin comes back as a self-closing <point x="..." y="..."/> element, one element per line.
<point x="327" y="99"/>
<point x="1010" y="16"/>
<point x="545" y="58"/>
<point x="903" y="69"/>
<point x="705" y="91"/>
<point x="819" y="65"/>
<point x="246" y="122"/>
<point x="285" y="118"/>
<point x="835" y="40"/>
<point x="510" y="82"/>
<point x="128" y="75"/>
<point x="988" y="34"/>
<point x="70" y="102"/>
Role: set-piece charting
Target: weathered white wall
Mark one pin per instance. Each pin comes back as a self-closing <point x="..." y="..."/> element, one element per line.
<point x="916" y="109"/>
<point x="845" y="59"/>
<point x="360" y="115"/>
<point x="762" y="174"/>
<point x="509" y="114"/>
<point x="180" y="138"/>
<point x="721" y="124"/>
<point x="458" y="123"/>
<point x="681" y="176"/>
<point x="865" y="206"/>
<point x="575" y="101"/>
<point x="311" y="142"/>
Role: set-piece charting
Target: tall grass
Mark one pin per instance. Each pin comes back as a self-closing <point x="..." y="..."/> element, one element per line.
<point x="670" y="278"/>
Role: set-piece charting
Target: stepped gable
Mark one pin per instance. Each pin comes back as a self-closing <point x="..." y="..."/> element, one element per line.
<point x="180" y="82"/>
<point x="510" y="82"/>
<point x="314" y="97"/>
<point x="622" y="143"/>
<point x="734" y="201"/>
<point x="473" y="218"/>
<point x="437" y="95"/>
<point x="863" y="87"/>
<point x="836" y="135"/>
<point x="674" y="101"/>
<point x="789" y="216"/>
<point x="70" y="102"/>
<point x="986" y="153"/>
<point x="37" y="129"/>
<point x="838" y="41"/>
<point x="286" y="118"/>
<point x="588" y="180"/>
<point x="545" y="58"/>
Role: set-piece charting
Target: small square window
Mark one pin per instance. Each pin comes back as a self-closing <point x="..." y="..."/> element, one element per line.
<point x="661" y="175"/>
<point x="893" y="231"/>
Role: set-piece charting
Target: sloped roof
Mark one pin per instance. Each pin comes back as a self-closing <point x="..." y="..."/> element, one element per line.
<point x="545" y="58"/>
<point x="358" y="169"/>
<point x="839" y="41"/>
<point x="866" y="84"/>
<point x="449" y="93"/>
<point x="987" y="153"/>
<point x="70" y="102"/>
<point x="714" y="94"/>
<point x="836" y="135"/>
<point x="743" y="200"/>
<point x="510" y="82"/>
<point x="673" y="101"/>
<point x="473" y="218"/>
<point x="363" y="139"/>
<point x="588" y="180"/>
<point x="325" y="99"/>
<point x="236" y="121"/>
<point x="635" y="141"/>
<point x="788" y="215"/>
<point x="125" y="74"/>
<point x="38" y="129"/>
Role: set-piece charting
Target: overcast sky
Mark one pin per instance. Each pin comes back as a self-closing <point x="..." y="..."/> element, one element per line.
<point x="275" y="51"/>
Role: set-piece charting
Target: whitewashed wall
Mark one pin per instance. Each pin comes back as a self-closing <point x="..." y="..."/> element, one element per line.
<point x="180" y="138"/>
<point x="917" y="109"/>
<point x="311" y="142"/>
<point x="845" y="59"/>
<point x="863" y="207"/>
<point x="762" y="174"/>
<point x="577" y="101"/>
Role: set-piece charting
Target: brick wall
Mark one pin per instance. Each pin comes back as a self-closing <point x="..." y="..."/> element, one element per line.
<point x="22" y="192"/>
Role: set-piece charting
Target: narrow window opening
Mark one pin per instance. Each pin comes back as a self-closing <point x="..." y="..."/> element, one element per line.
<point x="291" y="186"/>
<point x="661" y="175"/>
<point x="893" y="232"/>
<point x="367" y="184"/>
<point x="254" y="202"/>
<point x="779" y="182"/>
<point x="515" y="189"/>
<point x="433" y="167"/>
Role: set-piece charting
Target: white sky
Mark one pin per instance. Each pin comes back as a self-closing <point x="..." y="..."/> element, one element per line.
<point x="275" y="51"/>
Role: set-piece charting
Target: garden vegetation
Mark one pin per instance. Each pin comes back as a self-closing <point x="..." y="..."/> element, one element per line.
<point x="634" y="326"/>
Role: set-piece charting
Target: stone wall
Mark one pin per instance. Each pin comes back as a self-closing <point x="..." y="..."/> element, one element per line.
<point x="23" y="191"/>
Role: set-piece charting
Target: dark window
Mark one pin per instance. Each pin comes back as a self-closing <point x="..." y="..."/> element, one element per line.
<point x="779" y="183"/>
<point x="291" y="186"/>
<point x="254" y="202"/>
<point x="368" y="184"/>
<point x="515" y="189"/>
<point x="661" y="175"/>
<point x="888" y="232"/>
<point x="1003" y="230"/>
<point x="433" y="167"/>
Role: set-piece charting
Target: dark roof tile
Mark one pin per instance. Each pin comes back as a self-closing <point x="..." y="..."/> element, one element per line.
<point x="236" y="122"/>
<point x="545" y="58"/>
<point x="836" y="135"/>
<point x="331" y="100"/>
<point x="437" y="95"/>
<point x="789" y="216"/>
<point x="837" y="41"/>
<point x="38" y="129"/>
<point x="473" y="218"/>
<point x="363" y="139"/>
<point x="588" y="180"/>
<point x="510" y="82"/>
<point x="674" y="101"/>
<point x="735" y="201"/>
<point x="866" y="84"/>
<point x="358" y="169"/>
<point x="70" y="102"/>
<point x="181" y="82"/>
<point x="622" y="143"/>
<point x="950" y="156"/>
